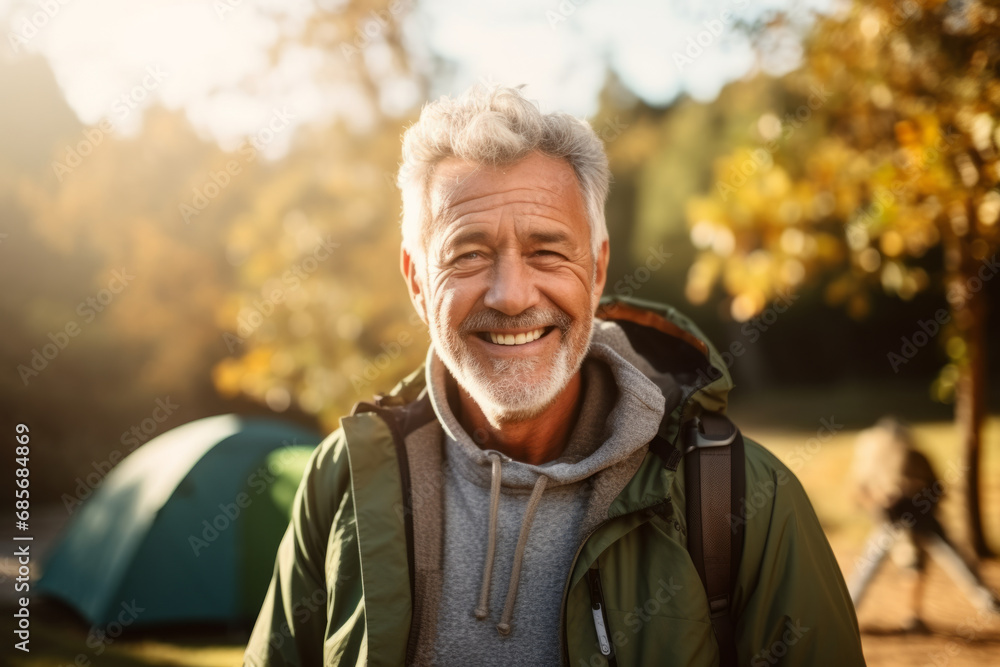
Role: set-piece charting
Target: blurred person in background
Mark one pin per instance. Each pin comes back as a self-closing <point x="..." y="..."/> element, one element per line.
<point x="898" y="487"/>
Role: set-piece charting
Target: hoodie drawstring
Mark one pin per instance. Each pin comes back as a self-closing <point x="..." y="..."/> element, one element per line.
<point x="482" y="611"/>
<point x="503" y="627"/>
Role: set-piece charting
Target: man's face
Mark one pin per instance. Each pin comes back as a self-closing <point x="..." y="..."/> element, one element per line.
<point x="508" y="285"/>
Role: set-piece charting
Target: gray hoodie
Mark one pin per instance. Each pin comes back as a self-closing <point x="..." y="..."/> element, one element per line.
<point x="505" y="610"/>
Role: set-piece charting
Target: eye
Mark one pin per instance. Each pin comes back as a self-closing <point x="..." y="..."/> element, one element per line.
<point x="469" y="255"/>
<point x="548" y="254"/>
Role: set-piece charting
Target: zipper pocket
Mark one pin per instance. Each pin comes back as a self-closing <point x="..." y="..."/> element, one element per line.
<point x="569" y="578"/>
<point x="600" y="617"/>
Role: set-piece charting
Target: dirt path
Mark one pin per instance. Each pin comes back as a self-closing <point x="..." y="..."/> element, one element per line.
<point x="958" y="635"/>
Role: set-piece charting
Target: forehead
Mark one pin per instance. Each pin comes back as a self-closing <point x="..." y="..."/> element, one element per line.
<point x="538" y="184"/>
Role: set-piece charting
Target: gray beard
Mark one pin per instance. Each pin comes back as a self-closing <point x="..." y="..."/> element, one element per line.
<point x="502" y="387"/>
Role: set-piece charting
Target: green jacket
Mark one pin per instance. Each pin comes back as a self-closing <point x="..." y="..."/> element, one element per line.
<point x="341" y="591"/>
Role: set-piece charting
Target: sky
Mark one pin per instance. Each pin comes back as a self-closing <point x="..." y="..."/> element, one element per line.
<point x="113" y="58"/>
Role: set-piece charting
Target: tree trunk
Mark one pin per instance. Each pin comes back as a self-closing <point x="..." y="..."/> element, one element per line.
<point x="967" y="296"/>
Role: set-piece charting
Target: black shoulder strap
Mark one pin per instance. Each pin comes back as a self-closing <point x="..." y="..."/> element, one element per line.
<point x="406" y="417"/>
<point x="715" y="485"/>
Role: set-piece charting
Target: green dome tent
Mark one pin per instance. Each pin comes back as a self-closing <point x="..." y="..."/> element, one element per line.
<point x="185" y="529"/>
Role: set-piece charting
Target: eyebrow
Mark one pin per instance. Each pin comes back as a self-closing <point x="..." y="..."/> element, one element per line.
<point x="549" y="237"/>
<point x="470" y="236"/>
<point x="480" y="236"/>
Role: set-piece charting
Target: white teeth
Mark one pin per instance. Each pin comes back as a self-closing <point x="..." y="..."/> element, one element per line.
<point x="519" y="339"/>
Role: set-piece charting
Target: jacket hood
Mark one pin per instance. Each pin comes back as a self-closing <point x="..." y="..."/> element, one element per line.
<point x="666" y="346"/>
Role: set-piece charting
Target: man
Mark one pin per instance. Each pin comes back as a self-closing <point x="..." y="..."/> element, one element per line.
<point x="504" y="504"/>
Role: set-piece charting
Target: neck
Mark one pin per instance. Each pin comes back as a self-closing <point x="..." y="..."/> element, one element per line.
<point x="535" y="440"/>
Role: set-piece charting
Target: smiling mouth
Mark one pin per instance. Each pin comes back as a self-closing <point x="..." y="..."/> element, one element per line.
<point x="500" y="338"/>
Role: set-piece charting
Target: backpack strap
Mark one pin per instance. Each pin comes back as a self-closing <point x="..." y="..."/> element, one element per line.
<point x="715" y="484"/>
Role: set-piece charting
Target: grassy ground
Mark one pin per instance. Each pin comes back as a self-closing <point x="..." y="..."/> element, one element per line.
<point x="957" y="637"/>
<point x="58" y="644"/>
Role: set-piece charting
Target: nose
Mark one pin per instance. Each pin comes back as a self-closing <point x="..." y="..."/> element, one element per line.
<point x="512" y="285"/>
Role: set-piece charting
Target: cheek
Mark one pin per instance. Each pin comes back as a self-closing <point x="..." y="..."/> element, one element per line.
<point x="571" y="293"/>
<point x="453" y="300"/>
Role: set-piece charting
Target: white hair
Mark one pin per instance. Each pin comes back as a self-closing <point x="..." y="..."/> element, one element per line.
<point x="497" y="126"/>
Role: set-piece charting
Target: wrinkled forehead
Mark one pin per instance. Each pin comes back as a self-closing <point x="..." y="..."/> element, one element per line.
<point x="538" y="183"/>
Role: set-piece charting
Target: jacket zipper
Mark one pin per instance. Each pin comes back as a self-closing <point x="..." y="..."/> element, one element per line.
<point x="569" y="577"/>
<point x="600" y="616"/>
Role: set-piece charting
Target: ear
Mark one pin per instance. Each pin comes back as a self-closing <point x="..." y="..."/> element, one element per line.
<point x="413" y="283"/>
<point x="601" y="272"/>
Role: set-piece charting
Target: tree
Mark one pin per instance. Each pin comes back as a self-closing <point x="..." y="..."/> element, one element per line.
<point x="318" y="318"/>
<point x="880" y="172"/>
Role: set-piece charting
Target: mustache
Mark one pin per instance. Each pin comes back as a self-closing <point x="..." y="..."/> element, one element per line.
<point x="533" y="318"/>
